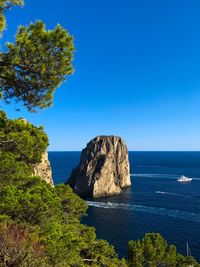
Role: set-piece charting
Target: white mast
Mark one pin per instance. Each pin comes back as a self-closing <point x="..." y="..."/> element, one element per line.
<point x="188" y="250"/>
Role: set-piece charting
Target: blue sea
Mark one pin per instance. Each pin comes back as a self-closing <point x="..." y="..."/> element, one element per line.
<point x="156" y="202"/>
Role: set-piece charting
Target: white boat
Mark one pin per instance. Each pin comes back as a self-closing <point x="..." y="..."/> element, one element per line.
<point x="184" y="179"/>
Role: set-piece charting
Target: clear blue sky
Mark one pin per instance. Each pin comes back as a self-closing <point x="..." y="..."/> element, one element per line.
<point x="137" y="72"/>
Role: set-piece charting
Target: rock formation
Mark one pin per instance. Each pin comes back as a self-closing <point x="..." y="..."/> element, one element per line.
<point x="43" y="169"/>
<point x="103" y="169"/>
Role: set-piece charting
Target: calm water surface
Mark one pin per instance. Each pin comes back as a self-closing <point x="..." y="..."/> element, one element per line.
<point x="156" y="202"/>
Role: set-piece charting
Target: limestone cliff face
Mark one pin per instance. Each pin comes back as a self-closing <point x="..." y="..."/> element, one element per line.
<point x="103" y="169"/>
<point x="43" y="169"/>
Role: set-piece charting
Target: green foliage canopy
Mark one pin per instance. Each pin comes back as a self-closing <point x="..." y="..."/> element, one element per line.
<point x="153" y="251"/>
<point x="4" y="5"/>
<point x="21" y="146"/>
<point x="35" y="65"/>
<point x="71" y="203"/>
<point x="24" y="140"/>
<point x="11" y="170"/>
<point x="43" y="214"/>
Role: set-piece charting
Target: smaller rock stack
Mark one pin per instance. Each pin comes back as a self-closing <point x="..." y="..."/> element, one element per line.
<point x="43" y="169"/>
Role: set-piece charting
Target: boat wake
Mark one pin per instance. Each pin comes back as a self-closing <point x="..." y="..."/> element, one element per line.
<point x="190" y="216"/>
<point x="160" y="175"/>
<point x="154" y="175"/>
<point x="196" y="179"/>
<point x="169" y="193"/>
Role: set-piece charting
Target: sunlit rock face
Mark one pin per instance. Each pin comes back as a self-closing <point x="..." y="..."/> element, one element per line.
<point x="103" y="169"/>
<point x="43" y="169"/>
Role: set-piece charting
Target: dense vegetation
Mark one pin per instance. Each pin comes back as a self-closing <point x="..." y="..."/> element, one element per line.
<point x="21" y="146"/>
<point x="39" y="224"/>
<point x="35" y="64"/>
<point x="153" y="251"/>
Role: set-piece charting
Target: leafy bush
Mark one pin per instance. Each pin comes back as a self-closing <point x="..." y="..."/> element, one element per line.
<point x="24" y="140"/>
<point x="153" y="251"/>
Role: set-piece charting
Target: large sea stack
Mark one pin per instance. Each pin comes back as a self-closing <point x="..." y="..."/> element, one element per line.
<point x="103" y="169"/>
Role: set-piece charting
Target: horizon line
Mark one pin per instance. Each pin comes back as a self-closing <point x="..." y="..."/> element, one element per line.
<point x="131" y="150"/>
